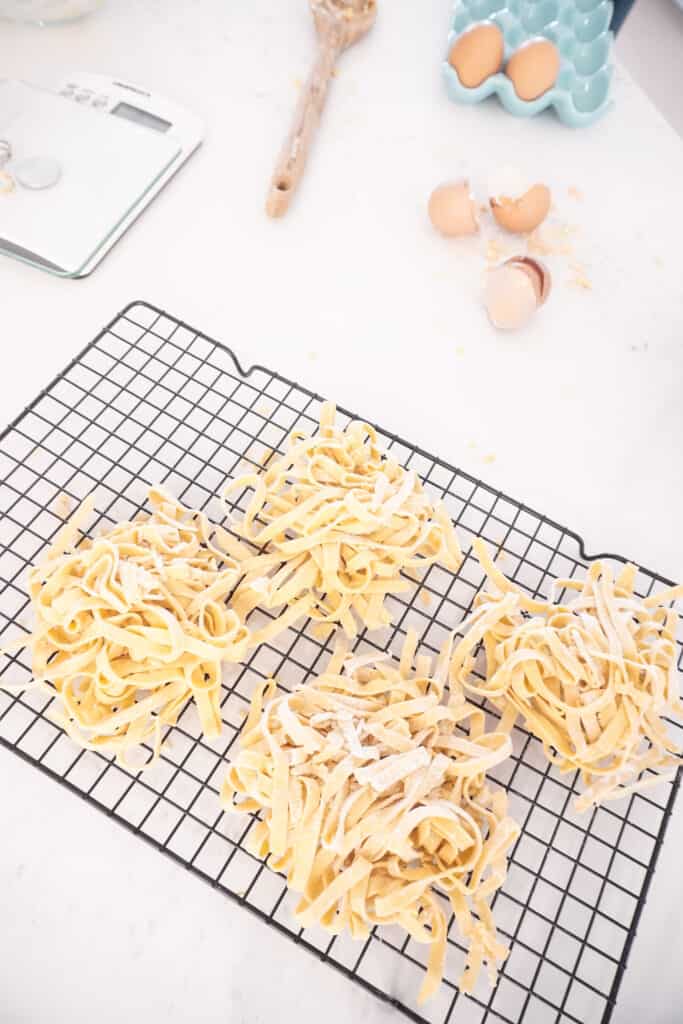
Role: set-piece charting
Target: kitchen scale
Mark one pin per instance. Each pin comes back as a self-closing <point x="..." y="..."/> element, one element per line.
<point x="84" y="161"/>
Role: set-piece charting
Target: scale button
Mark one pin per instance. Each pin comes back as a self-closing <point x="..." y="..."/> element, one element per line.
<point x="100" y="101"/>
<point x="83" y="96"/>
<point x="67" y="91"/>
<point x="37" y="172"/>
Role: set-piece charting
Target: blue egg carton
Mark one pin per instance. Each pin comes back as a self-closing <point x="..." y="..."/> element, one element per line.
<point x="581" y="31"/>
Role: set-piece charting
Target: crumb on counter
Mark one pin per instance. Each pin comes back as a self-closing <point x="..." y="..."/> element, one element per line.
<point x="495" y="251"/>
<point x="62" y="506"/>
<point x="550" y="242"/>
<point x="537" y="243"/>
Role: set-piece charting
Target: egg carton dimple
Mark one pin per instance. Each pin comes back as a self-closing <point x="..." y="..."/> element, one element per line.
<point x="581" y="31"/>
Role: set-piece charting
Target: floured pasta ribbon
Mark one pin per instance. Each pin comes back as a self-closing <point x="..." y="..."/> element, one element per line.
<point x="131" y="625"/>
<point x="373" y="792"/>
<point x="591" y="678"/>
<point x="338" y="518"/>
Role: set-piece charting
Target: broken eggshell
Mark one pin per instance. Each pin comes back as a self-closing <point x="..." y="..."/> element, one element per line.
<point x="515" y="290"/>
<point x="538" y="274"/>
<point x="453" y="210"/>
<point x="522" y="213"/>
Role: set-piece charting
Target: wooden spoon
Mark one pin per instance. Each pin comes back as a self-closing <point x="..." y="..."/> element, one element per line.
<point x="339" y="24"/>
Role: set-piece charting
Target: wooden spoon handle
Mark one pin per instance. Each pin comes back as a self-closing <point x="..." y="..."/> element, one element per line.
<point x="290" y="166"/>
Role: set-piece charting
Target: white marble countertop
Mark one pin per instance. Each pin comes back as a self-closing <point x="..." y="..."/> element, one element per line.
<point x="354" y="296"/>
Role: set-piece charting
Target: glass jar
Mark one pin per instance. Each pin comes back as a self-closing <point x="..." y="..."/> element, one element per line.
<point x="45" y="12"/>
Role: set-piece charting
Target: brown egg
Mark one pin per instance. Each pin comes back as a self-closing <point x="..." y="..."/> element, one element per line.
<point x="477" y="54"/>
<point x="515" y="290"/>
<point x="453" y="211"/>
<point x="523" y="214"/>
<point x="533" y="69"/>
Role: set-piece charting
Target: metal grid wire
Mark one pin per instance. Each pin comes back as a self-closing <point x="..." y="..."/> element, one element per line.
<point x="150" y="401"/>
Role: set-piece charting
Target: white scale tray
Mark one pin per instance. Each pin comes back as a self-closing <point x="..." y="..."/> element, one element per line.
<point x="108" y="166"/>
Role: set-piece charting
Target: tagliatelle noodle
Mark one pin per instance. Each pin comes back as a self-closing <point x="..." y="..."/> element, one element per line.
<point x="373" y="792"/>
<point x="591" y="677"/>
<point x="133" y="624"/>
<point x="339" y="519"/>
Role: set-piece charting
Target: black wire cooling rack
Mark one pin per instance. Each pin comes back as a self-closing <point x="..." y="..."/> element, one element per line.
<point x="151" y="400"/>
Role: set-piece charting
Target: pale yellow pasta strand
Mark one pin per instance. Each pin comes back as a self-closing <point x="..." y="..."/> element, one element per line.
<point x="591" y="678"/>
<point x="392" y="808"/>
<point x="132" y="625"/>
<point x="341" y="521"/>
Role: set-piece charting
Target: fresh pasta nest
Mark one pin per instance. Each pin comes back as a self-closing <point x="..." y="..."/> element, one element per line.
<point x="373" y="791"/>
<point x="339" y="519"/>
<point x="592" y="678"/>
<point x="133" y="624"/>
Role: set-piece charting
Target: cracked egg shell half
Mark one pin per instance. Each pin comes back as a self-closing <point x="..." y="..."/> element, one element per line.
<point x="453" y="210"/>
<point x="523" y="213"/>
<point x="515" y="290"/>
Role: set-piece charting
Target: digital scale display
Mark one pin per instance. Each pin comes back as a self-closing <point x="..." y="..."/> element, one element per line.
<point x="142" y="117"/>
<point x="82" y="177"/>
